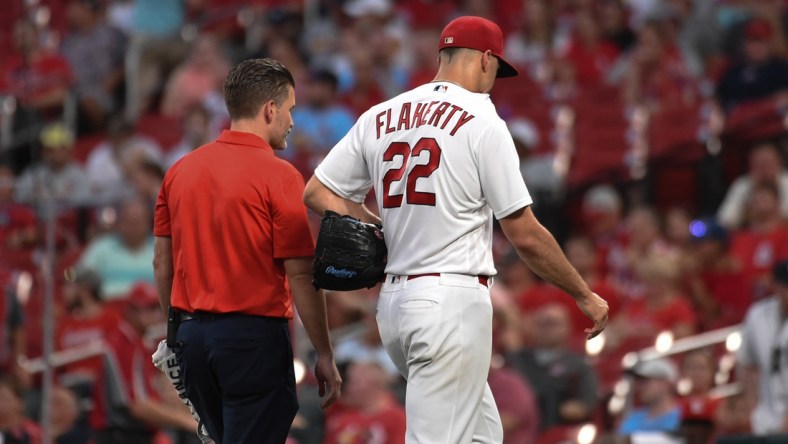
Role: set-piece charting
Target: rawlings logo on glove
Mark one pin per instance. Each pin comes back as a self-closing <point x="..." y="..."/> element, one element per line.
<point x="349" y="255"/>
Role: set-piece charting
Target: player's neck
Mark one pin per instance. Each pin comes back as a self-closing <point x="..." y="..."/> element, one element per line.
<point x="459" y="77"/>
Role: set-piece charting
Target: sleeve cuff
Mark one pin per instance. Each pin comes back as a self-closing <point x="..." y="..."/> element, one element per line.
<point x="333" y="187"/>
<point x="512" y="208"/>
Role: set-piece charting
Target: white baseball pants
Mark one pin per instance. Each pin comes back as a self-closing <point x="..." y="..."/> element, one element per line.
<point x="438" y="332"/>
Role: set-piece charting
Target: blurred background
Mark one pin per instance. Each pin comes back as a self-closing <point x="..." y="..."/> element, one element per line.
<point x="651" y="134"/>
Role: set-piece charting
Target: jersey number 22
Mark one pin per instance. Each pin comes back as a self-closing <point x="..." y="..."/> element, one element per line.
<point x="404" y="150"/>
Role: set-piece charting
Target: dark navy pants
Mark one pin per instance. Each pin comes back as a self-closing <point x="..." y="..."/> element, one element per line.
<point x="238" y="373"/>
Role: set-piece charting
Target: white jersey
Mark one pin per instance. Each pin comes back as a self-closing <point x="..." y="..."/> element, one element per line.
<point x="442" y="164"/>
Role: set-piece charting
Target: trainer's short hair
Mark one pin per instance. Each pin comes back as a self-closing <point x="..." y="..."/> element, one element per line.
<point x="254" y="82"/>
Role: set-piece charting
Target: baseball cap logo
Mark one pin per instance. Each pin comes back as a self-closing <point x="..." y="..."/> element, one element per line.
<point x="448" y="40"/>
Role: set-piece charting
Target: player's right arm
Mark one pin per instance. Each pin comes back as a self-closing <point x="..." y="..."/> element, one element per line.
<point x="320" y="198"/>
<point x="508" y="197"/>
<point x="537" y="247"/>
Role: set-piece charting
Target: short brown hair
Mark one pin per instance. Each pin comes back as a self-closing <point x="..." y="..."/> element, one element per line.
<point x="254" y="82"/>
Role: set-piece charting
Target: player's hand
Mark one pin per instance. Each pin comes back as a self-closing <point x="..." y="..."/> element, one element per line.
<point x="327" y="378"/>
<point x="596" y="309"/>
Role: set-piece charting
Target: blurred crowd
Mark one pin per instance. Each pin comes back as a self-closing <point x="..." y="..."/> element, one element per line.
<point x="651" y="134"/>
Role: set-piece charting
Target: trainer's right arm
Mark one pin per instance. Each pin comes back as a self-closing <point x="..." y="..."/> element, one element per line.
<point x="163" y="269"/>
<point x="311" y="306"/>
<point x="537" y="247"/>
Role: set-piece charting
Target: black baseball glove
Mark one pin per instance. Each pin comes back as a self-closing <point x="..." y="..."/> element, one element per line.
<point x="349" y="255"/>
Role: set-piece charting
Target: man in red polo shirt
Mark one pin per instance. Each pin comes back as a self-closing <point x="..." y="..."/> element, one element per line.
<point x="232" y="243"/>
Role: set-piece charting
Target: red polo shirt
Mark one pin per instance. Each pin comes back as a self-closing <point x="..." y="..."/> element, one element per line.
<point x="234" y="212"/>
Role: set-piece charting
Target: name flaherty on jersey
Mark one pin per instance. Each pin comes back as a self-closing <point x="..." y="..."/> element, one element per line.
<point x="422" y="114"/>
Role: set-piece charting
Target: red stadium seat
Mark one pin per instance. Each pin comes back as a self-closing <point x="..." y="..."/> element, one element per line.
<point x="756" y="120"/>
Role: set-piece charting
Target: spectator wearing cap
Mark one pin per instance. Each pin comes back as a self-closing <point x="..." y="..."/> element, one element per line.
<point x="17" y="221"/>
<point x="713" y="276"/>
<point x="57" y="174"/>
<point x="763" y="357"/>
<point x="654" y="389"/>
<point x="758" y="74"/>
<point x="87" y="322"/>
<point x="95" y="51"/>
<point x="765" y="166"/>
<point x="108" y="162"/>
<point x="764" y="242"/>
<point x="127" y="409"/>
<point x="124" y="255"/>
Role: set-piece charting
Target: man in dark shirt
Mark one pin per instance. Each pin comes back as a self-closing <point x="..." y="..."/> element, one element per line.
<point x="759" y="74"/>
<point x="565" y="385"/>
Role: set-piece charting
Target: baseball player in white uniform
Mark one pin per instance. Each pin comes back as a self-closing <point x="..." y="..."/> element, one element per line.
<point x="442" y="163"/>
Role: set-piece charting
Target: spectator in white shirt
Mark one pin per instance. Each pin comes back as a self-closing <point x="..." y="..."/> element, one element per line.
<point x="766" y="166"/>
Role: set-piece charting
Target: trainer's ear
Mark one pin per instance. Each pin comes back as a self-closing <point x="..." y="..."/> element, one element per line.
<point x="269" y="111"/>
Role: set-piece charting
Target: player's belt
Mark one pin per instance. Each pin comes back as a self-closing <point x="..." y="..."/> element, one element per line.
<point x="482" y="279"/>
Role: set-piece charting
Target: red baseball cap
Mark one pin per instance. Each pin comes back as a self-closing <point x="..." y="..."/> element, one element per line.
<point x="479" y="34"/>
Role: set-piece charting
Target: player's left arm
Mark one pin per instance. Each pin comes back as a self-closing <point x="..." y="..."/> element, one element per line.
<point x="163" y="269"/>
<point x="319" y="198"/>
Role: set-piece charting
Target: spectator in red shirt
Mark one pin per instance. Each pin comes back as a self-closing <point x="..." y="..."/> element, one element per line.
<point x="582" y="255"/>
<point x="663" y="307"/>
<point x="602" y="217"/>
<point x="39" y="79"/>
<point x="698" y="407"/>
<point x="368" y="412"/>
<point x="516" y="404"/>
<point x="655" y="74"/>
<point x="764" y="242"/>
<point x="713" y="277"/>
<point x="514" y="398"/>
<point x="588" y="57"/>
<point x="127" y="407"/>
<point x="644" y="237"/>
<point x="87" y="323"/>
<point x="17" y="221"/>
<point x="14" y="426"/>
